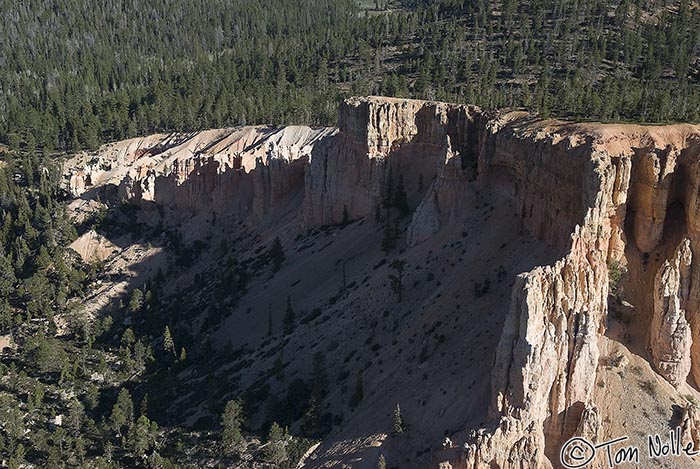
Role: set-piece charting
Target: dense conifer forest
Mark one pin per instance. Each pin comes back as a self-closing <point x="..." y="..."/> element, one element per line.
<point x="77" y="73"/>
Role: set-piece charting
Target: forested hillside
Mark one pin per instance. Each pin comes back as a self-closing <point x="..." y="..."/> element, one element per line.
<point x="36" y="278"/>
<point x="75" y="73"/>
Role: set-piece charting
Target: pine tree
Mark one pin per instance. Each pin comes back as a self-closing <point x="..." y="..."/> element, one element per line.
<point x="279" y="367"/>
<point x="319" y="377"/>
<point x="108" y="450"/>
<point x="155" y="460"/>
<point x="269" y="320"/>
<point x="346" y="216"/>
<point x="122" y="413"/>
<point x="143" y="409"/>
<point x="231" y="421"/>
<point x="136" y="301"/>
<point x="76" y="414"/>
<point x="7" y="276"/>
<point x="381" y="462"/>
<point x="12" y="418"/>
<point x="289" y="317"/>
<point x="358" y="393"/>
<point x="388" y="237"/>
<point x="17" y="460"/>
<point x="388" y="189"/>
<point x="128" y="338"/>
<point x="396" y="230"/>
<point x="168" y="343"/>
<point x="141" y="436"/>
<point x="398" y="421"/>
<point x="396" y="280"/>
<point x="276" y="446"/>
<point x="312" y="418"/>
<point x="277" y="255"/>
<point x="400" y="200"/>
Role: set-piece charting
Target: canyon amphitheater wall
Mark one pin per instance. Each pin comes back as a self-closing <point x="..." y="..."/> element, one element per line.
<point x="622" y="197"/>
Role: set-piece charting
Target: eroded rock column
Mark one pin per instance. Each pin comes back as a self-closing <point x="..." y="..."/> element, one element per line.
<point x="671" y="337"/>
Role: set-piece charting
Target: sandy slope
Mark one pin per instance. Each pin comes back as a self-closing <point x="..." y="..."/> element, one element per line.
<point x="432" y="353"/>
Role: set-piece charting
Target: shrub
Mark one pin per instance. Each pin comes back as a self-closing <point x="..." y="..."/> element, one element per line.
<point x="617" y="274"/>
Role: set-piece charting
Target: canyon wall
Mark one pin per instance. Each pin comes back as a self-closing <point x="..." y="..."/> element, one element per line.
<point x="606" y="192"/>
<point x="664" y="243"/>
<point x="606" y="195"/>
<point x="237" y="172"/>
<point x="377" y="135"/>
<point x="603" y="193"/>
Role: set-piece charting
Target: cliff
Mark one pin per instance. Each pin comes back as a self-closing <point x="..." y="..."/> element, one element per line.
<point x="605" y="195"/>
<point x="238" y="171"/>
<point x="378" y="135"/>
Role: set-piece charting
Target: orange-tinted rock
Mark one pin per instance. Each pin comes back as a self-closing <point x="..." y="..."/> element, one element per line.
<point x="670" y="332"/>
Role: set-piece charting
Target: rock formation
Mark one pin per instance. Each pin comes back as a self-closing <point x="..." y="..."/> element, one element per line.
<point x="690" y="425"/>
<point x="237" y="171"/>
<point x="627" y="194"/>
<point x="671" y="337"/>
<point x="442" y="202"/>
<point x="92" y="246"/>
<point x="576" y="179"/>
<point x="377" y="135"/>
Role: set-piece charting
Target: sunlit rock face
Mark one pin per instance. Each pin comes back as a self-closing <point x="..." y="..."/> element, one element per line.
<point x="239" y="172"/>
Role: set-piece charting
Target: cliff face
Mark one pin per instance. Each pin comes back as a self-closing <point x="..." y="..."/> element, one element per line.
<point x="613" y="194"/>
<point x="605" y="193"/>
<point x="545" y="367"/>
<point x="620" y="195"/>
<point x="237" y="172"/>
<point x="378" y="135"/>
<point x="663" y="245"/>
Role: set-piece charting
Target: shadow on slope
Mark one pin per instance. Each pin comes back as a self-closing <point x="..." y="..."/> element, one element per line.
<point x="432" y="353"/>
